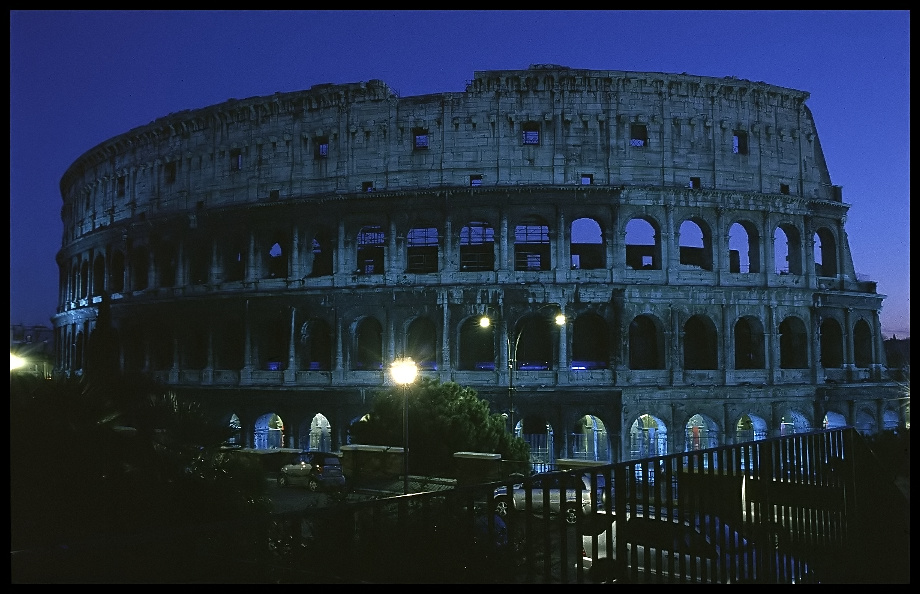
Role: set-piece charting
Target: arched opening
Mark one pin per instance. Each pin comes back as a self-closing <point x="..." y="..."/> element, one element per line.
<point x="643" y="246"/>
<point x="590" y="343"/>
<point x="589" y="441"/>
<point x="648" y="437"/>
<point x="368" y="345"/>
<point x="646" y="344"/>
<point x="587" y="245"/>
<point x="700" y="343"/>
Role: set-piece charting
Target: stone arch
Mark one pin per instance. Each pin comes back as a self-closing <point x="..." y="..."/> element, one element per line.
<point x="590" y="342"/>
<point x="532" y="248"/>
<point x="477" y="247"/>
<point x="825" y="252"/>
<point x="749" y="343"/>
<point x="787" y="249"/>
<point x="643" y="244"/>
<point x="648" y="437"/>
<point x="862" y="344"/>
<point x="794" y="421"/>
<point x="587" y="245"/>
<point x="589" y="440"/>
<point x="834" y="420"/>
<point x="315" y="345"/>
<point x="319" y="437"/>
<point x="700" y="433"/>
<point x="646" y="343"/>
<point x="476" y="346"/>
<point x="743" y="248"/>
<point x="831" y="344"/>
<point x="268" y="432"/>
<point x="695" y="247"/>
<point x="538" y="433"/>
<point x="793" y="344"/>
<point x="371" y="245"/>
<point x="750" y="427"/>
<point x="422" y="343"/>
<point x="368" y="345"/>
<point x="701" y="343"/>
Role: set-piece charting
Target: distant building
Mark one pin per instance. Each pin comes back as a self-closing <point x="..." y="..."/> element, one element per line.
<point x="270" y="257"/>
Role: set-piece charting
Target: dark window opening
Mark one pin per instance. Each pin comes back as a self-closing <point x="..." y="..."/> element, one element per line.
<point x="121" y="186"/>
<point x="531" y="247"/>
<point x="475" y="181"/>
<point x="421" y="139"/>
<point x="422" y="252"/>
<point x="322" y="256"/>
<point x="695" y="183"/>
<point x="367" y="186"/>
<point x="477" y="247"/>
<point x="321" y="148"/>
<point x="170" y="171"/>
<point x="274" y="194"/>
<point x="638" y="135"/>
<point x="236" y="160"/>
<point x="370" y="250"/>
<point x="784" y="188"/>
<point x="740" y="143"/>
<point x="531" y="133"/>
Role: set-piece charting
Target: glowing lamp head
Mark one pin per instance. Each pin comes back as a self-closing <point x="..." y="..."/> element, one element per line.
<point x="404" y="371"/>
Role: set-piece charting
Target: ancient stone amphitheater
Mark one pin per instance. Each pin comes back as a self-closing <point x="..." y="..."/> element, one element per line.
<point x="272" y="256"/>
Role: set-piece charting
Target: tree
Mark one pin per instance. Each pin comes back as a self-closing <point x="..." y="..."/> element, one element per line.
<point x="443" y="419"/>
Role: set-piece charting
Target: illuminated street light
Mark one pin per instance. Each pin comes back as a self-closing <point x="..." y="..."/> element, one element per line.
<point x="404" y="372"/>
<point x="16" y="362"/>
<point x="512" y="347"/>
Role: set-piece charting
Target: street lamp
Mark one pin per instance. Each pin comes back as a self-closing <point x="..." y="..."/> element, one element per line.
<point x="404" y="372"/>
<point x="512" y="347"/>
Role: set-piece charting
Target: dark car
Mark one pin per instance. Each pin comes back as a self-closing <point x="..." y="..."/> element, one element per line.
<point x="317" y="471"/>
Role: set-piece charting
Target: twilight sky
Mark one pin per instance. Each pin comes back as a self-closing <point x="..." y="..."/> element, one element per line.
<point x="78" y="78"/>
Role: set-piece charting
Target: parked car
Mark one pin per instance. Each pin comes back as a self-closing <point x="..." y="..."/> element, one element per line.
<point x="567" y="494"/>
<point x="317" y="471"/>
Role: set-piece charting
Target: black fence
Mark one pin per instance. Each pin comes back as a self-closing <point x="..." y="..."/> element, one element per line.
<point x="796" y="509"/>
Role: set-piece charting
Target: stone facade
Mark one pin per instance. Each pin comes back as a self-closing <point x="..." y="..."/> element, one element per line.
<point x="271" y="256"/>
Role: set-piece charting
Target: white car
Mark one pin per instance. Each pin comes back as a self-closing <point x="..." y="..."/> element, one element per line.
<point x="560" y="492"/>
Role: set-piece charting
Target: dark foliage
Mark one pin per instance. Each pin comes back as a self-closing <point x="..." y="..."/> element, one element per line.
<point x="443" y="419"/>
<point x="93" y="459"/>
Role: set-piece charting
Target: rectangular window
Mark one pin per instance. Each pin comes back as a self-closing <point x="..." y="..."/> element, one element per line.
<point x="587" y="179"/>
<point x="321" y="148"/>
<point x="695" y="183"/>
<point x="274" y="194"/>
<point x="236" y="160"/>
<point x="475" y="181"/>
<point x="531" y="133"/>
<point x="740" y="143"/>
<point x="170" y="172"/>
<point x="638" y="135"/>
<point x="421" y="139"/>
<point x="367" y="186"/>
<point x="784" y="188"/>
<point x="121" y="186"/>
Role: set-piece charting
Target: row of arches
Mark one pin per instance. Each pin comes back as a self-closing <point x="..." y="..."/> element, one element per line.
<point x="588" y="341"/>
<point x="236" y="254"/>
<point x="588" y="438"/>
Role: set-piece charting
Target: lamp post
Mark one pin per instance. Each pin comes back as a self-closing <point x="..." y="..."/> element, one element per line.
<point x="512" y="347"/>
<point x="404" y="372"/>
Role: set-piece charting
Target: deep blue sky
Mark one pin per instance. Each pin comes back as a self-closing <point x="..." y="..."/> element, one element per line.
<point x="78" y="78"/>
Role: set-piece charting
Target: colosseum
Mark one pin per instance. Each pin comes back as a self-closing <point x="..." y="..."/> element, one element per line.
<point x="270" y="257"/>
